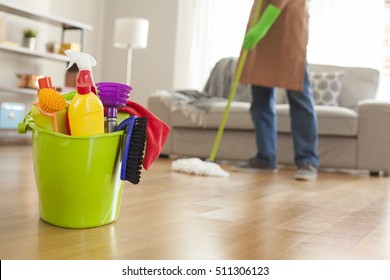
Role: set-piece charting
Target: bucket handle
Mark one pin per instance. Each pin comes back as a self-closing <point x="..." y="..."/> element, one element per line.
<point x="25" y="124"/>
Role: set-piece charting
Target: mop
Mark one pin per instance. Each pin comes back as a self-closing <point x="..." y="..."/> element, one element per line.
<point x="196" y="166"/>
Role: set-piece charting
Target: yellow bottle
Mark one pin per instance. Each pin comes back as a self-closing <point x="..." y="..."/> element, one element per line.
<point x="86" y="113"/>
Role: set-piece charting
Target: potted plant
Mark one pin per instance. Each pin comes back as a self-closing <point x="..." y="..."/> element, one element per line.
<point x="29" y="38"/>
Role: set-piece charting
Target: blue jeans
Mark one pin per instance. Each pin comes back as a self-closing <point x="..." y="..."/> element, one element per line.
<point x="303" y="124"/>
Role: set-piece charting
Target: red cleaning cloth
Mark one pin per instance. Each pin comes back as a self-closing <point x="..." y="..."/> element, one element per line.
<point x="156" y="132"/>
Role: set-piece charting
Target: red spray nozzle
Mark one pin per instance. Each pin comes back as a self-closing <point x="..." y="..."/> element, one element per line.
<point x="83" y="88"/>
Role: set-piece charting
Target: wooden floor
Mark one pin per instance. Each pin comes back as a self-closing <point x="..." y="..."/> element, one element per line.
<point x="178" y="216"/>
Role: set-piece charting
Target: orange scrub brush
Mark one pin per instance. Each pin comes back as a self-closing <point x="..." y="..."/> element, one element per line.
<point x="49" y="103"/>
<point x="50" y="100"/>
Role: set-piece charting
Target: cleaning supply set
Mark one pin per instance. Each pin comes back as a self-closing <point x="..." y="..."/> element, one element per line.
<point x="81" y="157"/>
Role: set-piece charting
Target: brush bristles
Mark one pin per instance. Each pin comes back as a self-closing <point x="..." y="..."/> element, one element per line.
<point x="50" y="100"/>
<point x="136" y="151"/>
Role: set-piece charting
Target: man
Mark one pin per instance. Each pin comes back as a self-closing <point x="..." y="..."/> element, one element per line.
<point x="278" y="59"/>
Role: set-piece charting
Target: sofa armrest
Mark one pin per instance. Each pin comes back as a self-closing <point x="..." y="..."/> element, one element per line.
<point x="373" y="105"/>
<point x="374" y="135"/>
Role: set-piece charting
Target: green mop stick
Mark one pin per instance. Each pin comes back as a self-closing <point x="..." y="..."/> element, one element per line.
<point x="232" y="93"/>
<point x="233" y="89"/>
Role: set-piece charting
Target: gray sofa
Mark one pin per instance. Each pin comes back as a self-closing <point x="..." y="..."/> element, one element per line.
<point x="354" y="128"/>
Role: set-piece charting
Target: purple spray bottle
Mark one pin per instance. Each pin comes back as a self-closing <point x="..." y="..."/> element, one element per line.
<point x="113" y="97"/>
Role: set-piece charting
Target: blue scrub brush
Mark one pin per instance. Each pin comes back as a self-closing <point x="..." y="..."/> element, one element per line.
<point x="134" y="146"/>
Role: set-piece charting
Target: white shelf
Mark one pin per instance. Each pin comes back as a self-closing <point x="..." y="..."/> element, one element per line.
<point x="63" y="23"/>
<point x="27" y="91"/>
<point x="53" y="20"/>
<point x="26" y="51"/>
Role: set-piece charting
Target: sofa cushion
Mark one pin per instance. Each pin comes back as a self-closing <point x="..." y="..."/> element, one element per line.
<point x="191" y="117"/>
<point x="326" y="87"/>
<point x="239" y="116"/>
<point x="332" y="120"/>
<point x="181" y="119"/>
<point x="357" y="83"/>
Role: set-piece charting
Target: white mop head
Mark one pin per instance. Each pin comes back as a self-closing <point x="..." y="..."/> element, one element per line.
<point x="196" y="166"/>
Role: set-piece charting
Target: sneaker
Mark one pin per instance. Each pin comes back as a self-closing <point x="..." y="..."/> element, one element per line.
<point x="306" y="172"/>
<point x="253" y="165"/>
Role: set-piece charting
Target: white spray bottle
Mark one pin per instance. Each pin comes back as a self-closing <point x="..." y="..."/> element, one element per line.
<point x="84" y="62"/>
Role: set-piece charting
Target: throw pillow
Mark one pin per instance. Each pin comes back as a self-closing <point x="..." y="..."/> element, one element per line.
<point x="326" y="87"/>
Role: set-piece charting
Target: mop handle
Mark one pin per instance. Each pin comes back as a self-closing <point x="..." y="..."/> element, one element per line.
<point x="233" y="89"/>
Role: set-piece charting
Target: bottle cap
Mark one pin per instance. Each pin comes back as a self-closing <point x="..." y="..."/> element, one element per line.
<point x="45" y="82"/>
<point x="83" y="89"/>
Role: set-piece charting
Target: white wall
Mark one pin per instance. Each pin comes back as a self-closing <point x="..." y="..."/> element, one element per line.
<point x="89" y="12"/>
<point x="152" y="68"/>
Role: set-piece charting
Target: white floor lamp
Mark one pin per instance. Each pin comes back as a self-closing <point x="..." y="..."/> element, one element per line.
<point x="131" y="33"/>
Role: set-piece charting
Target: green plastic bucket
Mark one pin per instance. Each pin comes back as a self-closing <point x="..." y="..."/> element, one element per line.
<point x="78" y="178"/>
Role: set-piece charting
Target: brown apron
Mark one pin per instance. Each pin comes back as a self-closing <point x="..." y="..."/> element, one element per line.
<point x="279" y="59"/>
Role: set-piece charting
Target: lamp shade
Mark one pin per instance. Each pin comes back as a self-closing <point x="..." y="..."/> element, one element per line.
<point x="131" y="33"/>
